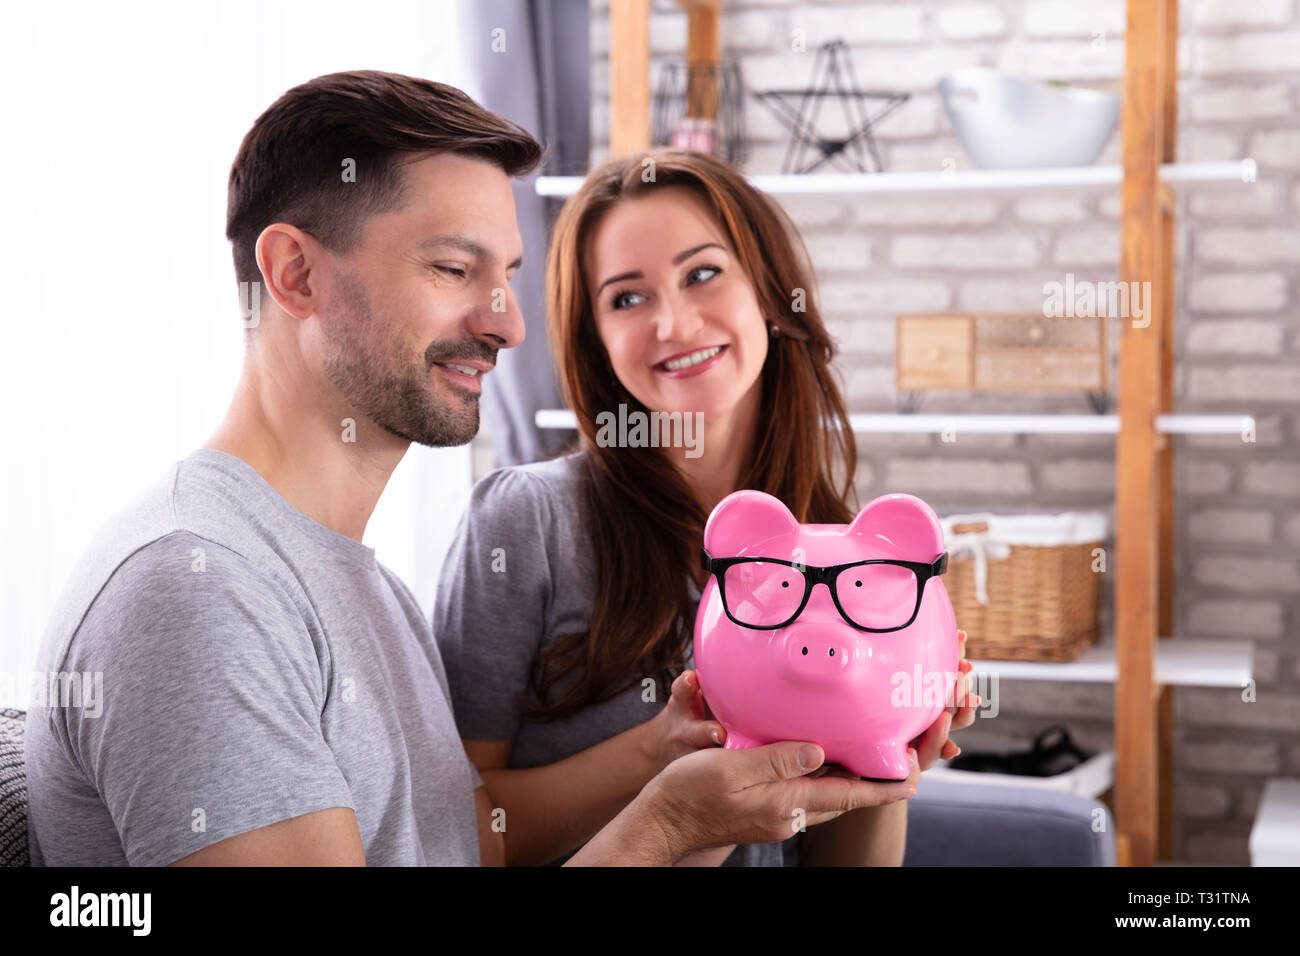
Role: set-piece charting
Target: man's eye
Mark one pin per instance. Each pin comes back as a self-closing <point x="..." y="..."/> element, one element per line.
<point x="451" y="270"/>
<point x="710" y="270"/>
<point x="620" y="301"/>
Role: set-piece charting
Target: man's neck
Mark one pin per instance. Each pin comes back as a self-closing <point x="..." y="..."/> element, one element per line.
<point x="296" y="438"/>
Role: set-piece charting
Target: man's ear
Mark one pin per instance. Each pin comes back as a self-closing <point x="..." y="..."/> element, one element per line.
<point x="284" y="255"/>
<point x="749" y="522"/>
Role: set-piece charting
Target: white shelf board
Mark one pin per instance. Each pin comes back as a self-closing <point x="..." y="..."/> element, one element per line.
<point x="1183" y="662"/>
<point x="1091" y="778"/>
<point x="1275" y="834"/>
<point x="998" y="424"/>
<point x="962" y="180"/>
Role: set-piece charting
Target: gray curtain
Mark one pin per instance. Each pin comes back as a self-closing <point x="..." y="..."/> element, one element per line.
<point x="539" y="81"/>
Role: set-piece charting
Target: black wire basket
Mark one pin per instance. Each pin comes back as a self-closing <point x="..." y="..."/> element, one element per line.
<point x="701" y="106"/>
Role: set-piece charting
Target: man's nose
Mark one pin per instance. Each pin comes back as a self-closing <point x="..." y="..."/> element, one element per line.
<point x="499" y="318"/>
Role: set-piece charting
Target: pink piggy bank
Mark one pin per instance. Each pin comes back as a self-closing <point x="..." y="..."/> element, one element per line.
<point x="842" y="635"/>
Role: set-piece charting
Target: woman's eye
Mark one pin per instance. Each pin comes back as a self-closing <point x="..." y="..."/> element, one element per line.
<point x="620" y="301"/>
<point x="710" y="271"/>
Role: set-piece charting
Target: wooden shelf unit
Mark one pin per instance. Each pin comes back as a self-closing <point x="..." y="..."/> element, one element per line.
<point x="1144" y="533"/>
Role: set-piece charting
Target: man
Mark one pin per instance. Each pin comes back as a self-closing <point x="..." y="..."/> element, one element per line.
<point x="272" y="694"/>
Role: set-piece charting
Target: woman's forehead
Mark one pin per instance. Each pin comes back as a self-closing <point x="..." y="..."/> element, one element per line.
<point x="657" y="223"/>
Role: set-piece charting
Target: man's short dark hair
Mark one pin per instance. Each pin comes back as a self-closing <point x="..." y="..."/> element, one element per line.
<point x="290" y="166"/>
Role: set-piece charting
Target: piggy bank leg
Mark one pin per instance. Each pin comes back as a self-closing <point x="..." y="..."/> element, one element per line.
<point x="882" y="763"/>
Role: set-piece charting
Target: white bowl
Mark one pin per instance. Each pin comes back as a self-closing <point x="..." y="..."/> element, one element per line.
<point x="1008" y="122"/>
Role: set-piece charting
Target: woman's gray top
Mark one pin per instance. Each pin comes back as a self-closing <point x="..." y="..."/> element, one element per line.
<point x="518" y="576"/>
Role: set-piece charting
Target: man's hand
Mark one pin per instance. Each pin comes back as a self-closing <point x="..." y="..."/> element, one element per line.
<point x="714" y="798"/>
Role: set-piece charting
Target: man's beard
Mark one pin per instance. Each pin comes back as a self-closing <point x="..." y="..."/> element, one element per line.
<point x="368" y="365"/>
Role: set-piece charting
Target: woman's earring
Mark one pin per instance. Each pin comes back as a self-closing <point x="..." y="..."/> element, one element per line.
<point x="773" y="330"/>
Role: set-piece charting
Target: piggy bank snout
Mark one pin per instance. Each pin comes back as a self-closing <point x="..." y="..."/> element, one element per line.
<point x="818" y="647"/>
<point x="817" y="651"/>
<point x="816" y="654"/>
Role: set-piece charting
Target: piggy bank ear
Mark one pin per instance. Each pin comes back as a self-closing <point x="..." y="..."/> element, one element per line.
<point x="748" y="523"/>
<point x="902" y="524"/>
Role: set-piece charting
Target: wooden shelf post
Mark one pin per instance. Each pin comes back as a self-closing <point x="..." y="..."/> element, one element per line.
<point x="1165" y="457"/>
<point x="703" y="51"/>
<point x="1146" y="230"/>
<point x="629" y="76"/>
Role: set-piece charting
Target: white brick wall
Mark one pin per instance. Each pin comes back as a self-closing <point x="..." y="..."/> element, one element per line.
<point x="1087" y="247"/>
<point x="1260" y="201"/>
<point x="1074" y="60"/>
<point x="970" y="21"/>
<point x="921" y="211"/>
<point x="1256" y="619"/>
<point x="835" y="252"/>
<point x="1239" y="292"/>
<point x="1266" y="53"/>
<point x="975" y="477"/>
<point x="1272" y="478"/>
<point x="1248" y="245"/>
<point x="1206" y="708"/>
<point x="1204" y="477"/>
<point x="1050" y="209"/>
<point x="1238" y="336"/>
<point x="1202" y="801"/>
<point x="1223" y="757"/>
<point x="876" y="296"/>
<point x="1236" y="103"/>
<point x="1210" y="14"/>
<point x="1068" y="18"/>
<point x="1003" y="295"/>
<point x="1246" y="383"/>
<point x="957" y="251"/>
<point x="1249" y="575"/>
<point x="859" y="23"/>
<point x="1230" y="526"/>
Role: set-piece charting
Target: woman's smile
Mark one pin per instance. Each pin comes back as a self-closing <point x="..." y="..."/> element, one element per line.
<point x="687" y="364"/>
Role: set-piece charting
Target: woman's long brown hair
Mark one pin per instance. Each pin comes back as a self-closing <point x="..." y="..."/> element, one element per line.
<point x="644" y="523"/>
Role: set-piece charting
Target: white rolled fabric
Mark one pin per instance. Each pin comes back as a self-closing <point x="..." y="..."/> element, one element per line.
<point x="1003" y="531"/>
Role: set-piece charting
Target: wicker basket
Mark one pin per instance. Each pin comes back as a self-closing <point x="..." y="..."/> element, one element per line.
<point x="1042" y="592"/>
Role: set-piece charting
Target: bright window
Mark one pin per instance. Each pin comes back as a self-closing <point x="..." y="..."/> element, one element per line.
<point x="121" y="331"/>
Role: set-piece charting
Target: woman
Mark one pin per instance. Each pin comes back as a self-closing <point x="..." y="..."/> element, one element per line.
<point x="566" y="606"/>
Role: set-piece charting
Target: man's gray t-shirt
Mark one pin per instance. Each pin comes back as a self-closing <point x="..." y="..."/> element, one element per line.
<point x="256" y="666"/>
<point x="491" y="623"/>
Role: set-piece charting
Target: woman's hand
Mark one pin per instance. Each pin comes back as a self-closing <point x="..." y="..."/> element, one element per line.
<point x="683" y="726"/>
<point x="934" y="742"/>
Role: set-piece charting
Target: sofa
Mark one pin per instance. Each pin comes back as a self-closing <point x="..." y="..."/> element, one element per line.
<point x="980" y="824"/>
<point x="13" y="789"/>
<point x="949" y="824"/>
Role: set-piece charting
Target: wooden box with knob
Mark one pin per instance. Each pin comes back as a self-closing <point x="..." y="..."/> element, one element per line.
<point x="992" y="352"/>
